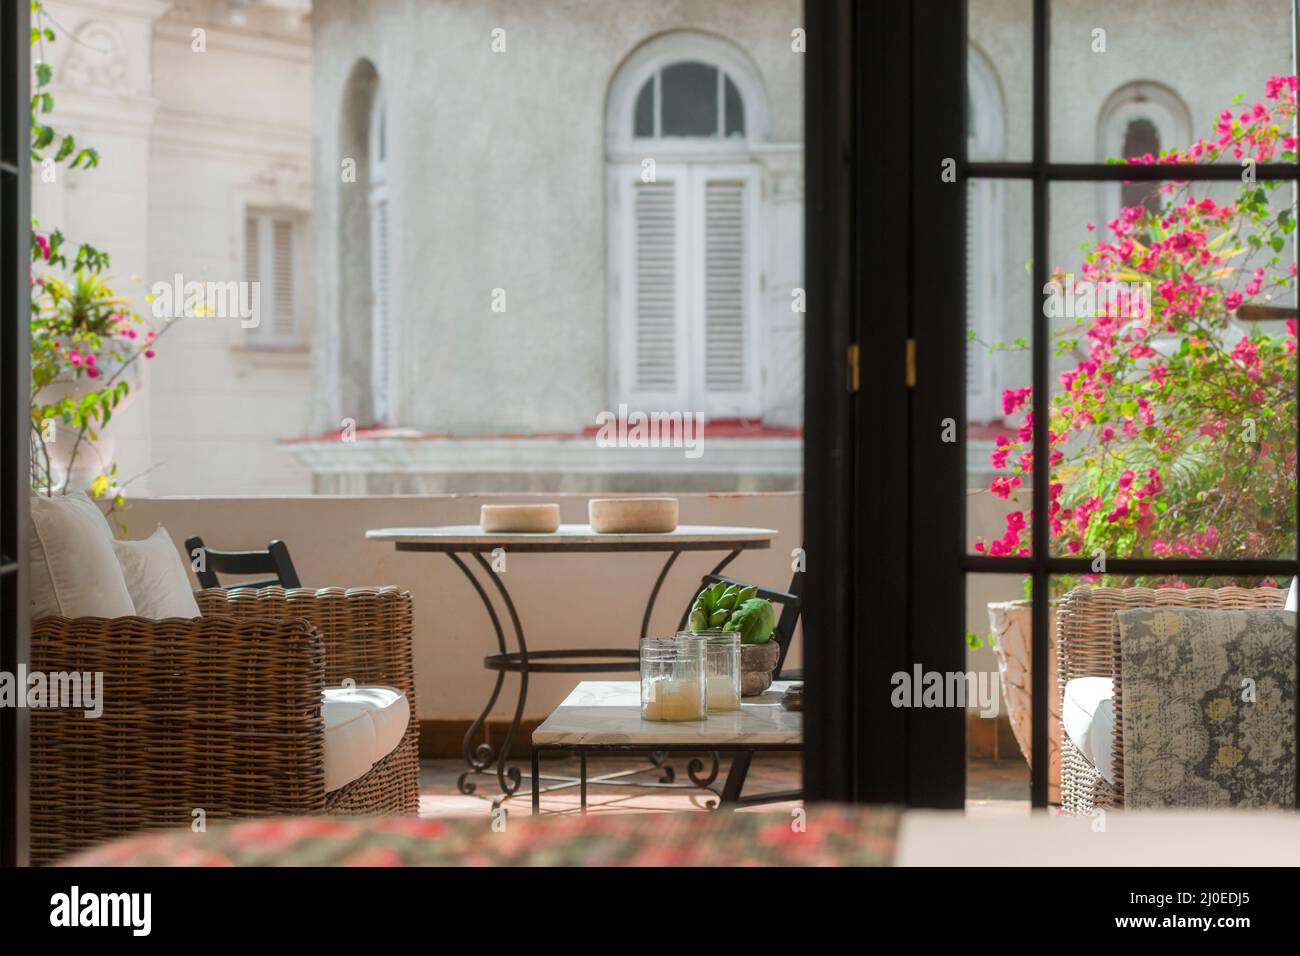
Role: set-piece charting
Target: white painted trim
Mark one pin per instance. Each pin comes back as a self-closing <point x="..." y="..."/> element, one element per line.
<point x="578" y="455"/>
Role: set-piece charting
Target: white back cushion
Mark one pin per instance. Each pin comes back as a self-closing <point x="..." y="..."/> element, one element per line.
<point x="1291" y="597"/>
<point x="155" y="576"/>
<point x="73" y="569"/>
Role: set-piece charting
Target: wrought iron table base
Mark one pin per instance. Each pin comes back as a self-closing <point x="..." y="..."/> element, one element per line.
<point x="481" y="758"/>
<point x="728" y="798"/>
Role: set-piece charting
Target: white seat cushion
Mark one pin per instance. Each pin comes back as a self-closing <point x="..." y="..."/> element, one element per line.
<point x="156" y="578"/>
<point x="1291" y="597"/>
<point x="363" y="725"/>
<point x="1088" y="716"/>
<point x="73" y="569"/>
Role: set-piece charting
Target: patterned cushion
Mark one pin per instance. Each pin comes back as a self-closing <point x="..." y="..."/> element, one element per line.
<point x="828" y="836"/>
<point x="1207" y="705"/>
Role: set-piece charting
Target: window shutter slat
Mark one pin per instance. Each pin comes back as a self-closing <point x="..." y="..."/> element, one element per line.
<point x="724" y="286"/>
<point x="656" y="287"/>
<point x="253" y="261"/>
<point x="284" y="308"/>
<point x="252" y="251"/>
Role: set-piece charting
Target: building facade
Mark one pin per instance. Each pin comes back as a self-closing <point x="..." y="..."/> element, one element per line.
<point x="479" y="226"/>
<point x="529" y="214"/>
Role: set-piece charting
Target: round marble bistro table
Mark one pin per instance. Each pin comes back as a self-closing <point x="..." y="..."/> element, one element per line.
<point x="459" y="541"/>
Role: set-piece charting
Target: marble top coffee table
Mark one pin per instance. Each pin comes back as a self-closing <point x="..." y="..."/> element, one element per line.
<point x="605" y="716"/>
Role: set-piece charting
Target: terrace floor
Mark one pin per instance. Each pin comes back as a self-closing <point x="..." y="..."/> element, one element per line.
<point x="994" y="788"/>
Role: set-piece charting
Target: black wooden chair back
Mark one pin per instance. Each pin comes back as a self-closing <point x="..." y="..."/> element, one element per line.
<point x="790" y="603"/>
<point x="207" y="562"/>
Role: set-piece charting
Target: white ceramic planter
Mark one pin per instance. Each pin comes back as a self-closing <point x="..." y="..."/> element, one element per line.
<point x="1010" y="625"/>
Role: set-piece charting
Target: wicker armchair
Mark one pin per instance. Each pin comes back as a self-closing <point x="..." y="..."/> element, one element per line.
<point x="221" y="713"/>
<point x="1087" y="646"/>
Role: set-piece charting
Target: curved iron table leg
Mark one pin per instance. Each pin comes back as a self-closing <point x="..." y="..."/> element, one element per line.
<point x="481" y="757"/>
<point x="504" y="773"/>
<point x="654" y="594"/>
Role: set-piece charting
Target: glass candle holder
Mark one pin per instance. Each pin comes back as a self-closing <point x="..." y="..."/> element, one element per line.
<point x="721" y="669"/>
<point x="672" y="679"/>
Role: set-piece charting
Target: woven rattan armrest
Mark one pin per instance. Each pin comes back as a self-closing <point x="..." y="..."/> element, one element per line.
<point x="202" y="718"/>
<point x="366" y="632"/>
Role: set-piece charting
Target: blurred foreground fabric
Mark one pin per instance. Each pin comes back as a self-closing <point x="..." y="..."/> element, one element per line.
<point x="826" y="836"/>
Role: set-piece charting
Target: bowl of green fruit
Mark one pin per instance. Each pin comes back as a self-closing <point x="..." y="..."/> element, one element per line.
<point x="738" y="608"/>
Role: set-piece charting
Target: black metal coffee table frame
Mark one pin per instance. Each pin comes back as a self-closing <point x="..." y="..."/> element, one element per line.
<point x="729" y="798"/>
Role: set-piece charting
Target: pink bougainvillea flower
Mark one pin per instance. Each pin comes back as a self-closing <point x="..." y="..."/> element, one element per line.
<point x="1157" y="384"/>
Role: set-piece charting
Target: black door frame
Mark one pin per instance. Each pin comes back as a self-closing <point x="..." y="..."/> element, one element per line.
<point x="886" y="106"/>
<point x="15" y="417"/>
<point x="884" y="582"/>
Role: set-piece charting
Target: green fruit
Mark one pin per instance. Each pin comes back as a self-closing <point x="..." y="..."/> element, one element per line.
<point x="716" y="592"/>
<point x="719" y="617"/>
<point x="699" y="620"/>
<point x="746" y="594"/>
<point x="728" y="601"/>
<point x="704" y="600"/>
<point x="755" y="620"/>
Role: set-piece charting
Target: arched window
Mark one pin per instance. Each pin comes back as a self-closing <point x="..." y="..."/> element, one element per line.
<point x="1136" y="120"/>
<point x="684" y="228"/>
<point x="380" y="328"/>
<point x="985" y="141"/>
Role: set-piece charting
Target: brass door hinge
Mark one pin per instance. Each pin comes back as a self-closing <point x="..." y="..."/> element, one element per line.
<point x="854" y="379"/>
<point x="909" y="366"/>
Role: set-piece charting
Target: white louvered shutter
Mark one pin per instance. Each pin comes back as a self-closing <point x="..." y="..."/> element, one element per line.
<point x="655" y="364"/>
<point x="284" y="310"/>
<point x="253" y="259"/>
<point x="725" y="362"/>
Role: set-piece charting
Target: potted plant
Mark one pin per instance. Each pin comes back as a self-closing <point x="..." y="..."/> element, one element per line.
<point x="85" y="343"/>
<point x="733" y="608"/>
<point x="1172" y="430"/>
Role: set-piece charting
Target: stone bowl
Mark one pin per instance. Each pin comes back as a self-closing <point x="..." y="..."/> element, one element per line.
<point x="757" y="662"/>
<point x="527" y="519"/>
<point x="632" y="515"/>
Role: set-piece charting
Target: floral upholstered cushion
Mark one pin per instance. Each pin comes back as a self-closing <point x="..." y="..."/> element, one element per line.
<point x="827" y="836"/>
<point x="1207" y="705"/>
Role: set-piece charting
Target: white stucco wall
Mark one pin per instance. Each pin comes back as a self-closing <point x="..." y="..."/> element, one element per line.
<point x="496" y="176"/>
